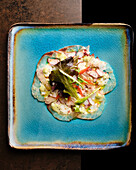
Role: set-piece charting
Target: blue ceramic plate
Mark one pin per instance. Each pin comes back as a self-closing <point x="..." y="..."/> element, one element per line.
<point x="31" y="125"/>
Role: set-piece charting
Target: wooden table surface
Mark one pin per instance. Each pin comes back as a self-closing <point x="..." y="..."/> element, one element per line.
<point x="41" y="11"/>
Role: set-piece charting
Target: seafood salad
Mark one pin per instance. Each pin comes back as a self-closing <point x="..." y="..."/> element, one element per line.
<point x="73" y="82"/>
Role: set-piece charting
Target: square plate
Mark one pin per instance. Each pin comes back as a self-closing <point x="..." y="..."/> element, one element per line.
<point x="30" y="124"/>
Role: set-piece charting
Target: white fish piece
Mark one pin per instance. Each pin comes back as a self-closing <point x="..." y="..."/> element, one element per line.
<point x="82" y="65"/>
<point x="65" y="109"/>
<point x="91" y="101"/>
<point x="80" y="54"/>
<point x="43" y="93"/>
<point x="94" y="107"/>
<point x="71" y="101"/>
<point x="93" y="74"/>
<point x="102" y="82"/>
<point x="99" y="72"/>
<point x="49" y="100"/>
<point x="72" y="54"/>
<point x="95" y="62"/>
<point x="102" y="65"/>
<point x="53" y="61"/>
<point x="86" y="102"/>
<point x="40" y="75"/>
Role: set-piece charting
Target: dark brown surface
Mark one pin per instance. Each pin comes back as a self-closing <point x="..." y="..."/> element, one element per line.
<point x="41" y="11"/>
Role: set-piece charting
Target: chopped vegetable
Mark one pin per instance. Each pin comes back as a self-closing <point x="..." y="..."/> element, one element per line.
<point x="72" y="82"/>
<point x="79" y="101"/>
<point x="84" y="70"/>
<point x="89" y="81"/>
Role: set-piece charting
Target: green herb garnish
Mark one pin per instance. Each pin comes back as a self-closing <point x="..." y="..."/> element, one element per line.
<point x="61" y="73"/>
<point x="79" y="101"/>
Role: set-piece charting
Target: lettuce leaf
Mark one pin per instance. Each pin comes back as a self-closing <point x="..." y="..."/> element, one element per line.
<point x="57" y="76"/>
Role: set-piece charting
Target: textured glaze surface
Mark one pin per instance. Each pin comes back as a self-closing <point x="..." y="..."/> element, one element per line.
<point x="31" y="125"/>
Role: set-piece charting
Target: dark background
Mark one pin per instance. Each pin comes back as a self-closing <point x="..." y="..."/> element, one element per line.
<point x="60" y="11"/>
<point x="113" y="12"/>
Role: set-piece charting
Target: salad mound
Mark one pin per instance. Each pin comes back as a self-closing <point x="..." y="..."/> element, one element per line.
<point x="73" y="83"/>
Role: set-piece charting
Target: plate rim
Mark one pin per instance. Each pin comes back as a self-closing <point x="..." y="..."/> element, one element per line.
<point x="11" y="82"/>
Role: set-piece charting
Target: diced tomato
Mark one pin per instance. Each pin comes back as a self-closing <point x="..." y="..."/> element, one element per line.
<point x="80" y="91"/>
<point x="97" y="58"/>
<point x="74" y="85"/>
<point x="57" y="96"/>
<point x="69" y="111"/>
<point x="85" y="53"/>
<point x="92" y="55"/>
<point x="84" y="70"/>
